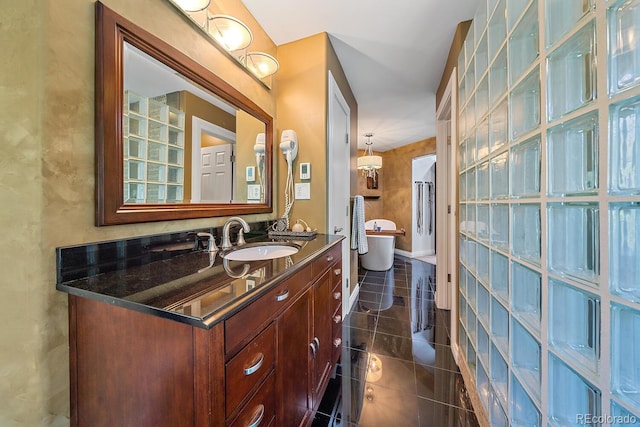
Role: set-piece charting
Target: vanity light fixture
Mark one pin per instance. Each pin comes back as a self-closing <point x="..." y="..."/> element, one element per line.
<point x="261" y="64"/>
<point x="193" y="5"/>
<point x="368" y="162"/>
<point x="229" y="32"/>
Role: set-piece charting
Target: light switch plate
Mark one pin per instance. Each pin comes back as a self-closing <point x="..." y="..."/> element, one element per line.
<point x="303" y="191"/>
<point x="251" y="173"/>
<point x="253" y="192"/>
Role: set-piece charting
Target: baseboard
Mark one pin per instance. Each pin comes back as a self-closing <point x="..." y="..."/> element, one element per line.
<point x="404" y="253"/>
<point x="353" y="298"/>
<point x="472" y="391"/>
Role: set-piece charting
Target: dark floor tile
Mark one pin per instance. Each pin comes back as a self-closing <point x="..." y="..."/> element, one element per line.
<point x="369" y="296"/>
<point x="436" y="414"/>
<point x="393" y="346"/>
<point x="360" y="320"/>
<point x="443" y="357"/>
<point x="386" y="407"/>
<point x="378" y="280"/>
<point x="391" y="326"/>
<point x="436" y="384"/>
<point x="395" y="311"/>
<point x="395" y="374"/>
<point x="396" y="290"/>
<point x="372" y="287"/>
<point x="358" y="338"/>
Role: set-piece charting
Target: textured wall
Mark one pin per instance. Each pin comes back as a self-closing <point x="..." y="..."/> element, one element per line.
<point x="47" y="179"/>
<point x="396" y="194"/>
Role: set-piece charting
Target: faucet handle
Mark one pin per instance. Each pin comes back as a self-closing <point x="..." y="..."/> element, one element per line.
<point x="211" y="245"/>
<point x="240" y="240"/>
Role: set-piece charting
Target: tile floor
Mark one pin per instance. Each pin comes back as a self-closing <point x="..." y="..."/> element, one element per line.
<point x="401" y="371"/>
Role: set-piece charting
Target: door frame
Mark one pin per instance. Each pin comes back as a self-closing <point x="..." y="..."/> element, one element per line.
<point x="198" y="126"/>
<point x="447" y="206"/>
<point x="336" y="94"/>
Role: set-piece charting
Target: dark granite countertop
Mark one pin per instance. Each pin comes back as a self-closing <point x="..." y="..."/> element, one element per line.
<point x="188" y="285"/>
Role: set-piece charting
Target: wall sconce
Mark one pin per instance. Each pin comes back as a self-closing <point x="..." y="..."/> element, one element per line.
<point x="193" y="5"/>
<point x="368" y="162"/>
<point x="231" y="34"/>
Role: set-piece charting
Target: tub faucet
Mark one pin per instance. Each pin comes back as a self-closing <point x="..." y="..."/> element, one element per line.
<point x="226" y="240"/>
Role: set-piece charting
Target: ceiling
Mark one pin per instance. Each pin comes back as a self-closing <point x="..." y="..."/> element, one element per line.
<point x="392" y="53"/>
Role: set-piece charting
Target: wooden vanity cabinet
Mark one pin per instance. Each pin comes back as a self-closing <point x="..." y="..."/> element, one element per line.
<point x="267" y="365"/>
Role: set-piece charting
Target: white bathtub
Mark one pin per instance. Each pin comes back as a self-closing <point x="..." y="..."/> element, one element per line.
<point x="381" y="248"/>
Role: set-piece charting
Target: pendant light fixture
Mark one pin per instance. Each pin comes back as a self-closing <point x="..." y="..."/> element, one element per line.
<point x="368" y="162"/>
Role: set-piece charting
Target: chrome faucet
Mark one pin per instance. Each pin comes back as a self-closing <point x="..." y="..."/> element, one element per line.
<point x="226" y="240"/>
<point x="211" y="243"/>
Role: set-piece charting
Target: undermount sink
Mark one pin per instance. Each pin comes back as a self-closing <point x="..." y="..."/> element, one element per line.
<point x="260" y="251"/>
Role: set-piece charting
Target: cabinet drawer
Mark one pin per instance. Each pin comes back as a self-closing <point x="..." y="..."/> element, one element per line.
<point x="261" y="409"/>
<point x="327" y="259"/>
<point x="249" y="367"/>
<point x="243" y="326"/>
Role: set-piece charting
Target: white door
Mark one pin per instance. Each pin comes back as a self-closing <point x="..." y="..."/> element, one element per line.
<point x="216" y="173"/>
<point x="338" y="151"/>
<point x="446" y="207"/>
<point x="201" y="128"/>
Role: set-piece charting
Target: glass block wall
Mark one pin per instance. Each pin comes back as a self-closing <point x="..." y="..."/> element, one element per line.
<point x="549" y="179"/>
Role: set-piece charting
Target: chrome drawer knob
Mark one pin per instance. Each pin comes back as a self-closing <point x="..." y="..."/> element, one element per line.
<point x="337" y="271"/>
<point x="337" y="318"/>
<point x="337" y="295"/>
<point x="337" y="342"/>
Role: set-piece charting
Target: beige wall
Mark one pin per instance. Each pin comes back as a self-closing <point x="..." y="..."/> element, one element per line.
<point x="47" y="179"/>
<point x="302" y="106"/>
<point x="396" y="195"/>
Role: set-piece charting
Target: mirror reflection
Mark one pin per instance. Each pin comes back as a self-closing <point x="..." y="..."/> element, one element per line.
<point x="182" y="144"/>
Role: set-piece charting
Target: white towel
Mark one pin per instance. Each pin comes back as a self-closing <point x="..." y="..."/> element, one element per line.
<point x="358" y="233"/>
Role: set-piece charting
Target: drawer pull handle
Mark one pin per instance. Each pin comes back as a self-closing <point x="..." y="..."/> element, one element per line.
<point x="337" y="295"/>
<point x="313" y="350"/>
<point x="337" y="271"/>
<point x="283" y="296"/>
<point x="337" y="342"/>
<point x="330" y="258"/>
<point x="258" y="415"/>
<point x="337" y="318"/>
<point x="317" y="341"/>
<point x="253" y="368"/>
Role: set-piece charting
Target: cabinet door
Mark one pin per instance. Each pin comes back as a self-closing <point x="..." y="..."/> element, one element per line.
<point x="322" y="333"/>
<point x="292" y="368"/>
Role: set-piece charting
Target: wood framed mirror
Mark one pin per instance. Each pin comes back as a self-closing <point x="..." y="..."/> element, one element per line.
<point x="173" y="140"/>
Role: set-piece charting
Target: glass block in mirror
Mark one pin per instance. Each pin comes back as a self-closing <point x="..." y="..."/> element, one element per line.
<point x="482" y="100"/>
<point x="481" y="57"/>
<point x="624" y="50"/>
<point x="525" y="105"/>
<point x="573" y="240"/>
<point x="570" y="394"/>
<point x="526" y="358"/>
<point x="625" y="353"/>
<point x="572" y="157"/>
<point x="523" y="412"/>
<point x="526" y="232"/>
<point x="574" y="324"/>
<point x="524" y="168"/>
<point x="523" y="44"/>
<point x="571" y="73"/>
<point x="624" y="250"/>
<point x="526" y="295"/>
<point x="562" y="16"/>
<point x="624" y="147"/>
